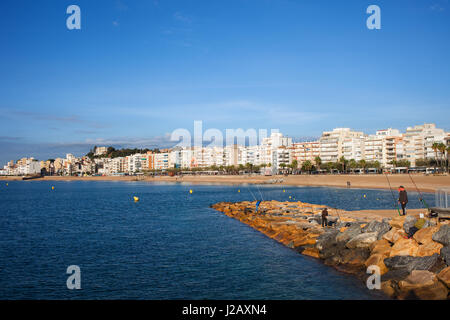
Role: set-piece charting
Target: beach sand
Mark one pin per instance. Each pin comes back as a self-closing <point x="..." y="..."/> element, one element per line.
<point x="424" y="183"/>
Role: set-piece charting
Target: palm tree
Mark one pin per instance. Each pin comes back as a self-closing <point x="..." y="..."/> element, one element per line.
<point x="435" y="147"/>
<point x="442" y="148"/>
<point x="344" y="163"/>
<point x="377" y="165"/>
<point x="352" y="164"/>
<point x="318" y="162"/>
<point x="363" y="164"/>
<point x="307" y="166"/>
<point x="448" y="157"/>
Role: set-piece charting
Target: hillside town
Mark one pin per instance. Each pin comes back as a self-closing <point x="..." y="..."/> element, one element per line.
<point x="422" y="148"/>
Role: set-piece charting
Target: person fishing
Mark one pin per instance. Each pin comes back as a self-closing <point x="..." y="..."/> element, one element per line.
<point x="257" y="206"/>
<point x="324" y="217"/>
<point x="402" y="198"/>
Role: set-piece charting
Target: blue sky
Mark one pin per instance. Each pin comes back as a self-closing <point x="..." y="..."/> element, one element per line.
<point x="137" y="70"/>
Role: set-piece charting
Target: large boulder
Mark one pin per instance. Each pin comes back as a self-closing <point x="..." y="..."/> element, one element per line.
<point x="394" y="235"/>
<point x="408" y="225"/>
<point x="303" y="240"/>
<point x="355" y="258"/>
<point x="377" y="259"/>
<point x="423" y="285"/>
<point x="424" y="235"/>
<point x="376" y="226"/>
<point x="312" y="252"/>
<point x="363" y="240"/>
<point x="445" y="254"/>
<point x="315" y="219"/>
<point x="349" y="233"/>
<point x="397" y="222"/>
<point x="395" y="275"/>
<point x="327" y="239"/>
<point x="388" y="287"/>
<point x="443" y="235"/>
<point x="429" y="249"/>
<point x="444" y="276"/>
<point x="381" y="246"/>
<point x="412" y="263"/>
<point x="404" y="247"/>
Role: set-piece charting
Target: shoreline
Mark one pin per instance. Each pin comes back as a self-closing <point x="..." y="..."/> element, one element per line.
<point x="411" y="267"/>
<point x="424" y="183"/>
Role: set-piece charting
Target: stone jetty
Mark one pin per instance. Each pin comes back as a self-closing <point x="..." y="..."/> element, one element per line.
<point x="412" y="254"/>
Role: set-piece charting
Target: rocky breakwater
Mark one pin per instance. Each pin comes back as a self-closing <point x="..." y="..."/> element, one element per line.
<point x="412" y="255"/>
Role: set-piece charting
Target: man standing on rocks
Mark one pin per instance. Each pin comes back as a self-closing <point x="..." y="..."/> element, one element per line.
<point x="324" y="217"/>
<point x="402" y="198"/>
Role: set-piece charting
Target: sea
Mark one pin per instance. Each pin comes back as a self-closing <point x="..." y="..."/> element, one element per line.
<point x="168" y="245"/>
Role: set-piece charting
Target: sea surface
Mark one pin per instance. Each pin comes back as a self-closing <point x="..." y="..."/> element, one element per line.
<point x="169" y="245"/>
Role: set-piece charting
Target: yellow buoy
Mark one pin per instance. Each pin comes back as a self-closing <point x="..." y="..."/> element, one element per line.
<point x="284" y="190"/>
<point x="136" y="199"/>
<point x="290" y="197"/>
<point x="190" y="191"/>
<point x="239" y="190"/>
<point x="53" y="188"/>
<point x="7" y="184"/>
<point x="364" y="196"/>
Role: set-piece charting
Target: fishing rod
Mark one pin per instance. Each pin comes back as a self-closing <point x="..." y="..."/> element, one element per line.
<point x="421" y="199"/>
<point x="393" y="196"/>
<point x="251" y="192"/>
<point x="257" y="187"/>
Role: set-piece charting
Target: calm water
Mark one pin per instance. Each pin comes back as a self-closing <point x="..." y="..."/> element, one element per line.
<point x="169" y="245"/>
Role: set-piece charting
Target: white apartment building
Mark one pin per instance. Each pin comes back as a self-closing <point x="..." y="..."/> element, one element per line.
<point x="231" y="155"/>
<point x="162" y="161"/>
<point x="353" y="148"/>
<point x="269" y="144"/>
<point x="31" y="167"/>
<point x="418" y="141"/>
<point x="305" y="151"/>
<point x="175" y="156"/>
<point x="250" y="154"/>
<point x="281" y="155"/>
<point x="134" y="163"/>
<point x="100" y="151"/>
<point x="114" y="165"/>
<point x="331" y="143"/>
<point x="187" y="158"/>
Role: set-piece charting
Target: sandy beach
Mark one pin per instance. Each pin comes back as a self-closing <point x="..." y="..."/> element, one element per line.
<point x="424" y="183"/>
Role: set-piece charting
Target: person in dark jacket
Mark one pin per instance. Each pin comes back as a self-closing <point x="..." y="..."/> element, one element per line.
<point x="324" y="217"/>
<point x="402" y="198"/>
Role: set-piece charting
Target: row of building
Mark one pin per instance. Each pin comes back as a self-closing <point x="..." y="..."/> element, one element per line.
<point x="277" y="151"/>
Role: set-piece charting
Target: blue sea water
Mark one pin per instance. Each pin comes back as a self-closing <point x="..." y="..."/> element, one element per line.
<point x="169" y="245"/>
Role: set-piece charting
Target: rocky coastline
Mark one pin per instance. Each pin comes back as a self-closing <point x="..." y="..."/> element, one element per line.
<point x="412" y="254"/>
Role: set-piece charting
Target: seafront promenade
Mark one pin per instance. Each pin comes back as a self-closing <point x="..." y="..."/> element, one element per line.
<point x="425" y="183"/>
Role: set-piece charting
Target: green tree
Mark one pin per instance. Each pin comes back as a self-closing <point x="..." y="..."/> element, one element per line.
<point x="362" y="164"/>
<point x="448" y="157"/>
<point x="435" y="147"/>
<point x="318" y="162"/>
<point x="344" y="163"/>
<point x="307" y="166"/>
<point x="352" y="164"/>
<point x="442" y="148"/>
